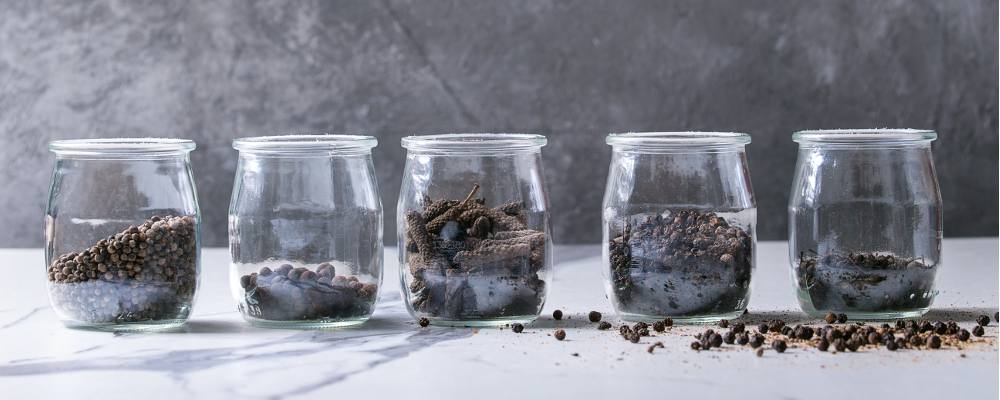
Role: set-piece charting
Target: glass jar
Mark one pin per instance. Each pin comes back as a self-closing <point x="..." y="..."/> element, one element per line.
<point x="122" y="234"/>
<point x="305" y="231"/>
<point x="474" y="239"/>
<point x="679" y="222"/>
<point x="865" y="223"/>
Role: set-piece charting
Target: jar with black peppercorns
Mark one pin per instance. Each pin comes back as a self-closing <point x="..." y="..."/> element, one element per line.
<point x="473" y="226"/>
<point x="865" y="223"/>
<point x="122" y="230"/>
<point x="305" y="231"/>
<point x="679" y="223"/>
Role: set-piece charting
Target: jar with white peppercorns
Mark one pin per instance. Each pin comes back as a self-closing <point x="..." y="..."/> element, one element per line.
<point x="122" y="230"/>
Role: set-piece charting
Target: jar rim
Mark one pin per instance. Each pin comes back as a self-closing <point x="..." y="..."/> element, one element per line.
<point x="475" y="142"/>
<point x="865" y="136"/>
<point x="678" y="140"/>
<point x="122" y="146"/>
<point x="305" y="143"/>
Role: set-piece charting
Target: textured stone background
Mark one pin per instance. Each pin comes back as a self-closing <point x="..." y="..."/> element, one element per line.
<point x="574" y="71"/>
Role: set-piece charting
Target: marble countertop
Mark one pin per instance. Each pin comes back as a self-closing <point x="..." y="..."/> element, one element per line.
<point x="217" y="355"/>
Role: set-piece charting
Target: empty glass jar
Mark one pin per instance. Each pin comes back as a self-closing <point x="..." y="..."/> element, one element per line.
<point x="122" y="234"/>
<point x="473" y="218"/>
<point x="305" y="231"/>
<point x="679" y="226"/>
<point x="865" y="223"/>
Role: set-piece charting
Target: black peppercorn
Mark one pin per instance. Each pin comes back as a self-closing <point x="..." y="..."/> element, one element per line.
<point x="633" y="337"/>
<point x="873" y="338"/>
<point x="934" y="342"/>
<point x="517" y="327"/>
<point x="840" y="345"/>
<point x="695" y="346"/>
<point x="594" y="316"/>
<point x="759" y="352"/>
<point x="952" y="328"/>
<point x="729" y="337"/>
<point x="775" y="325"/>
<point x="940" y="328"/>
<point x="963" y="335"/>
<point x="926" y="327"/>
<point x="779" y="346"/>
<point x="706" y="343"/>
<point x="891" y="345"/>
<point x="842" y="318"/>
<point x="831" y="318"/>
<point x="624" y="330"/>
<point x="912" y="324"/>
<point x="900" y="343"/>
<point x="642" y="331"/>
<point x="900" y="324"/>
<point x="639" y="325"/>
<point x="716" y="340"/>
<point x="996" y="317"/>
<point x="559" y="334"/>
<point x="983" y="320"/>
<point x="786" y="330"/>
<point x="424" y="322"/>
<point x="861" y="338"/>
<point x="557" y="314"/>
<point x="977" y="331"/>
<point x="658" y="326"/>
<point x="762" y="328"/>
<point x="707" y="333"/>
<point x="603" y="326"/>
<point x="757" y="341"/>
<point x="804" y="333"/>
<point x="723" y="323"/>
<point x="888" y="337"/>
<point x="739" y="327"/>
<point x="668" y="322"/>
<point x="823" y="345"/>
<point x="742" y="339"/>
<point x="853" y="345"/>
<point x="916" y="341"/>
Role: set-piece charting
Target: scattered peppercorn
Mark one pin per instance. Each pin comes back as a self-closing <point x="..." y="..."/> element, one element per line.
<point x="695" y="345"/>
<point x="658" y="326"/>
<point x="775" y="325"/>
<point x="716" y="340"/>
<point x="916" y="341"/>
<point x="762" y="328"/>
<point x="624" y="330"/>
<point x="668" y="322"/>
<point x="983" y="320"/>
<point x="934" y="342"/>
<point x="900" y="324"/>
<point x="424" y="322"/>
<point x="759" y="352"/>
<point x="940" y="328"/>
<point x="723" y="323"/>
<point x="840" y="345"/>
<point x="557" y="314"/>
<point x="560" y="334"/>
<point x="757" y="341"/>
<point x="823" y="345"/>
<point x="831" y="318"/>
<point x="900" y="343"/>
<point x="873" y="339"/>
<point x="779" y="346"/>
<point x="842" y="318"/>
<point x="706" y="343"/>
<point x="977" y="331"/>
<point x="729" y="337"/>
<point x="891" y="345"/>
<point x="594" y="316"/>
<point x="952" y="328"/>
<point x="963" y="335"/>
<point x="742" y="339"/>
<point x="655" y="345"/>
<point x="603" y="326"/>
<point x="806" y="333"/>
<point x="853" y="345"/>
<point x="643" y="331"/>
<point x="926" y="327"/>
<point x="633" y="337"/>
<point x="517" y="327"/>
<point x="996" y="317"/>
<point x="707" y="333"/>
<point x="739" y="327"/>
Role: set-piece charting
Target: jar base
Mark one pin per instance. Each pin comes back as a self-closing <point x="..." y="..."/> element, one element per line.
<point x="158" y="326"/>
<point x="310" y="324"/>
<point x="681" y="319"/>
<point x="807" y="307"/>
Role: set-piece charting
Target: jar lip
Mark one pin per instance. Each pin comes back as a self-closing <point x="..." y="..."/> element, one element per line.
<point x="122" y="146"/>
<point x="678" y="140"/>
<point x="865" y="136"/>
<point x="475" y="142"/>
<point x="305" y="143"/>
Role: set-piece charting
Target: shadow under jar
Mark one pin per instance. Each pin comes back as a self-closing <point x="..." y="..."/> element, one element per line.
<point x="305" y="231"/>
<point x="679" y="226"/>
<point x="865" y="223"/>
<point x="474" y="239"/>
<point x="122" y="234"/>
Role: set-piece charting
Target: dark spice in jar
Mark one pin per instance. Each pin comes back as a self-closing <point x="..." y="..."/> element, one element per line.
<point x="144" y="273"/>
<point x="682" y="263"/>
<point x="469" y="261"/>
<point x="559" y="334"/>
<point x="557" y="314"/>
<point x="594" y="316"/>
<point x="296" y="294"/>
<point x="864" y="282"/>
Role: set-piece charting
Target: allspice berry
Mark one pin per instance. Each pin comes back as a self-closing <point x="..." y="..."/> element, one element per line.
<point x="560" y="334"/>
<point x="557" y="314"/>
<point x="831" y="318"/>
<point x="594" y="316"/>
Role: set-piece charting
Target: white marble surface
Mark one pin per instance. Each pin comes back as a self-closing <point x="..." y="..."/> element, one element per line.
<point x="219" y="356"/>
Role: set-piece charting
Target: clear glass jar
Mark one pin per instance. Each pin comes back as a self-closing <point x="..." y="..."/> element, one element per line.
<point x="680" y="226"/>
<point x="865" y="223"/>
<point x="474" y="239"/>
<point x="305" y="231"/>
<point x="122" y="234"/>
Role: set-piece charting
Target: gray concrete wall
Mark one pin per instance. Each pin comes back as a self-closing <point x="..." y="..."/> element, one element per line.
<point x="574" y="71"/>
